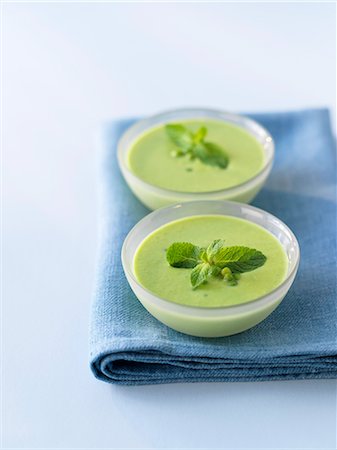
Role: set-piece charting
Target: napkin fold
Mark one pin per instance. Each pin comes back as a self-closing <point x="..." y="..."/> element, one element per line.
<point x="298" y="340"/>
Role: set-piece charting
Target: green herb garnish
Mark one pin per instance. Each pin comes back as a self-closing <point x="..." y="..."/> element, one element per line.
<point x="193" y="145"/>
<point x="216" y="260"/>
<point x="183" y="254"/>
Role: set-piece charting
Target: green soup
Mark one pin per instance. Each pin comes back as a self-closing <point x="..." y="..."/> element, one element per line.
<point x="155" y="274"/>
<point x="151" y="160"/>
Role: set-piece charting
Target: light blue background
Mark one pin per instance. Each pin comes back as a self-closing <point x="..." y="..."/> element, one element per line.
<point x="67" y="67"/>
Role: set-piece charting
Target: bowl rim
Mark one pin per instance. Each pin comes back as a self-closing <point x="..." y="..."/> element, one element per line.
<point x="239" y="120"/>
<point x="204" y="310"/>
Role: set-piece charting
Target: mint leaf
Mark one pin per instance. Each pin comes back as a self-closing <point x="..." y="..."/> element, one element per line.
<point x="214" y="248"/>
<point x="211" y="154"/>
<point x="203" y="256"/>
<point x="180" y="136"/>
<point x="200" y="274"/>
<point x="199" y="135"/>
<point x="215" y="271"/>
<point x="239" y="259"/>
<point x="194" y="146"/>
<point x="183" y="254"/>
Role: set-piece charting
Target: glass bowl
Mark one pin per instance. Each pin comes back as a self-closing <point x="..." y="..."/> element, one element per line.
<point x="201" y="321"/>
<point x="155" y="197"/>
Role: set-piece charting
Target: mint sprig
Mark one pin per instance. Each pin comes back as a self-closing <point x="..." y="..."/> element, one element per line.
<point x="217" y="260"/>
<point x="194" y="146"/>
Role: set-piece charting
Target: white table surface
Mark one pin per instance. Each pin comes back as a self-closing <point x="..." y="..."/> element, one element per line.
<point x="66" y="68"/>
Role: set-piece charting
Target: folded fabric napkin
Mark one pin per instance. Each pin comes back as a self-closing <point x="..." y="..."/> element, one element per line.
<point x="298" y="340"/>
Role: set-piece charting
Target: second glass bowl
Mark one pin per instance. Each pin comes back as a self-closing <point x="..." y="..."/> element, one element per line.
<point x="155" y="197"/>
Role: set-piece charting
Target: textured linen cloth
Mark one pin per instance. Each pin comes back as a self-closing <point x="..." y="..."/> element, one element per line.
<point x="297" y="341"/>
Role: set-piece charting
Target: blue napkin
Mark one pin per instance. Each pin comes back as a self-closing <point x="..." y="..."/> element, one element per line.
<point x="298" y="340"/>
